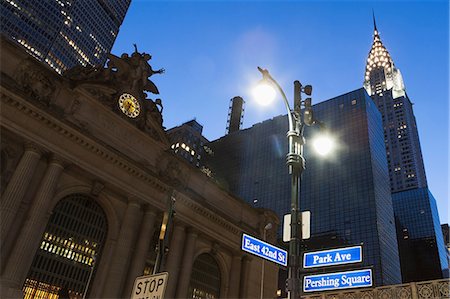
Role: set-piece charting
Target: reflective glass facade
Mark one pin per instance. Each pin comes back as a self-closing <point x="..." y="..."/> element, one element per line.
<point x="420" y="236"/>
<point x="64" y="33"/>
<point x="348" y="193"/>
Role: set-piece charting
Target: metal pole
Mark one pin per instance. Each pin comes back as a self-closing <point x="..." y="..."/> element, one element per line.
<point x="262" y="273"/>
<point x="296" y="164"/>
<point x="90" y="278"/>
<point x="166" y="225"/>
<point x="266" y="228"/>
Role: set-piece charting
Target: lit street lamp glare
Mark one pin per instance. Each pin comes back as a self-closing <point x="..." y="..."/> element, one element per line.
<point x="264" y="93"/>
<point x="323" y="144"/>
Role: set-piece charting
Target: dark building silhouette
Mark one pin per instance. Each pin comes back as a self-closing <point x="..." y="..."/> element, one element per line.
<point x="64" y="33"/>
<point x="235" y="114"/>
<point x="348" y="194"/>
<point x="422" y="250"/>
<point x="189" y="143"/>
<point x="423" y="255"/>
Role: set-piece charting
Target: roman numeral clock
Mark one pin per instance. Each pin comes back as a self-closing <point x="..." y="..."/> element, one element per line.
<point x="129" y="105"/>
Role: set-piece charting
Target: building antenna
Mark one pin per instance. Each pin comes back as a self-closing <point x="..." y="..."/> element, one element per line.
<point x="374" y="22"/>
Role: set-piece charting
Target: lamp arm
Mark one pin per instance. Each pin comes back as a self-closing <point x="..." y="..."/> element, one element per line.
<point x="268" y="77"/>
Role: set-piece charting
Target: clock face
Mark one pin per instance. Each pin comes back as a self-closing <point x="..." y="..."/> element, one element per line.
<point x="129" y="105"/>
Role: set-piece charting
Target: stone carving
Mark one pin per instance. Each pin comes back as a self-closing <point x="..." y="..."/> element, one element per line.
<point x="419" y="290"/>
<point x="35" y="82"/>
<point x="128" y="74"/>
<point x="172" y="173"/>
<point x="121" y="73"/>
<point x="97" y="187"/>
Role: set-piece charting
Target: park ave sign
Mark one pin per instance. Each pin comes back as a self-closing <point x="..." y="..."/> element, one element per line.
<point x="332" y="257"/>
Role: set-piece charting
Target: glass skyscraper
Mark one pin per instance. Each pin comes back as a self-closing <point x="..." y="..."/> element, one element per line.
<point x="348" y="194"/>
<point x="421" y="245"/>
<point x="64" y="33"/>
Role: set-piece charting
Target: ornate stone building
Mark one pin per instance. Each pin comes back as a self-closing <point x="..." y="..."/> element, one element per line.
<point x="86" y="175"/>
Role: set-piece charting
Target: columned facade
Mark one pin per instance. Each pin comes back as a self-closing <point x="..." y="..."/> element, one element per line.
<point x="186" y="264"/>
<point x="121" y="256"/>
<point x="13" y="195"/>
<point x="20" y="259"/>
<point x="142" y="248"/>
<point x="76" y="144"/>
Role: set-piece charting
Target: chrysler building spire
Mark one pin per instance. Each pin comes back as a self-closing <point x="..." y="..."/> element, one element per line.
<point x="374" y="23"/>
<point x="381" y="73"/>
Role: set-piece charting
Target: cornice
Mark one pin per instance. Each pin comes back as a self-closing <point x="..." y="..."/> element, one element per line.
<point x="93" y="146"/>
<point x="207" y="213"/>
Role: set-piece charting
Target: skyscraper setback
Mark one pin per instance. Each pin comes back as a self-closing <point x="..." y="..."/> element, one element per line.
<point x="421" y="247"/>
<point x="384" y="83"/>
<point x="64" y="33"/>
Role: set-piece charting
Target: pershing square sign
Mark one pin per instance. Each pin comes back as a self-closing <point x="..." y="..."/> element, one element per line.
<point x="336" y="281"/>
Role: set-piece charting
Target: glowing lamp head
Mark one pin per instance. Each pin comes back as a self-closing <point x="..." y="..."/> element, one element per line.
<point x="264" y="93"/>
<point x="323" y="144"/>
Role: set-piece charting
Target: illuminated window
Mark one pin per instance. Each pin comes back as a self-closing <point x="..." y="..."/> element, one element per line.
<point x="70" y="242"/>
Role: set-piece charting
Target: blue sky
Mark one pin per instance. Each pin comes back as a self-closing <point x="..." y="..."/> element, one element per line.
<point x="210" y="50"/>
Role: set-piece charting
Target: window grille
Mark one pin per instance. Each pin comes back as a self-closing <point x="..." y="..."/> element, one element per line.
<point x="69" y="250"/>
<point x="205" y="278"/>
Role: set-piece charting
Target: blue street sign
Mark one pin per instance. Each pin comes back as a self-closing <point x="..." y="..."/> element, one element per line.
<point x="264" y="250"/>
<point x="332" y="257"/>
<point x="338" y="281"/>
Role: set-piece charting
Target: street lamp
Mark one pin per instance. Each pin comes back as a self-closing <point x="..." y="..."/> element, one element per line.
<point x="295" y="161"/>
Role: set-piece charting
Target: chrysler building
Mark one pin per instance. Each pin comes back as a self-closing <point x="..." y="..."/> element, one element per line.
<point x="384" y="83"/>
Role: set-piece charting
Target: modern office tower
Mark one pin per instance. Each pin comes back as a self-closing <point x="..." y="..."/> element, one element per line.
<point x="188" y="142"/>
<point x="422" y="255"/>
<point x="421" y="246"/>
<point x="348" y="194"/>
<point x="64" y="33"/>
<point x="446" y="235"/>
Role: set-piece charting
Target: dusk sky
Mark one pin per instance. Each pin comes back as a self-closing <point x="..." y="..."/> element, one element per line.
<point x="210" y="51"/>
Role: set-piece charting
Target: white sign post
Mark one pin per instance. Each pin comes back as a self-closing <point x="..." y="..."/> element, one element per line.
<point x="306" y="226"/>
<point x="150" y="286"/>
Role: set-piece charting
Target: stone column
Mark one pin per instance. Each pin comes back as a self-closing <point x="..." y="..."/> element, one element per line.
<point x="414" y="294"/>
<point x="186" y="265"/>
<point x="101" y="275"/>
<point x="245" y="271"/>
<point x="142" y="249"/>
<point x="12" y="196"/>
<point x="27" y="243"/>
<point x="174" y="258"/>
<point x="235" y="276"/>
<point x="121" y="257"/>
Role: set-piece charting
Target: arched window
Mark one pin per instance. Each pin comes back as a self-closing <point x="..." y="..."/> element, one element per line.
<point x="205" y="278"/>
<point x="69" y="250"/>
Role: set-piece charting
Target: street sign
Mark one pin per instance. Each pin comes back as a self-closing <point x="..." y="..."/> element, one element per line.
<point x="150" y="286"/>
<point x="306" y="226"/>
<point x="338" y="281"/>
<point x="332" y="257"/>
<point x="264" y="250"/>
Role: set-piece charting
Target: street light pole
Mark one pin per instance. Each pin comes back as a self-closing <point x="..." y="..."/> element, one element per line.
<point x="266" y="228"/>
<point x="296" y="164"/>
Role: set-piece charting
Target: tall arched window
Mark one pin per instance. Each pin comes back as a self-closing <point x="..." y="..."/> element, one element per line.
<point x="69" y="250"/>
<point x="205" y="278"/>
